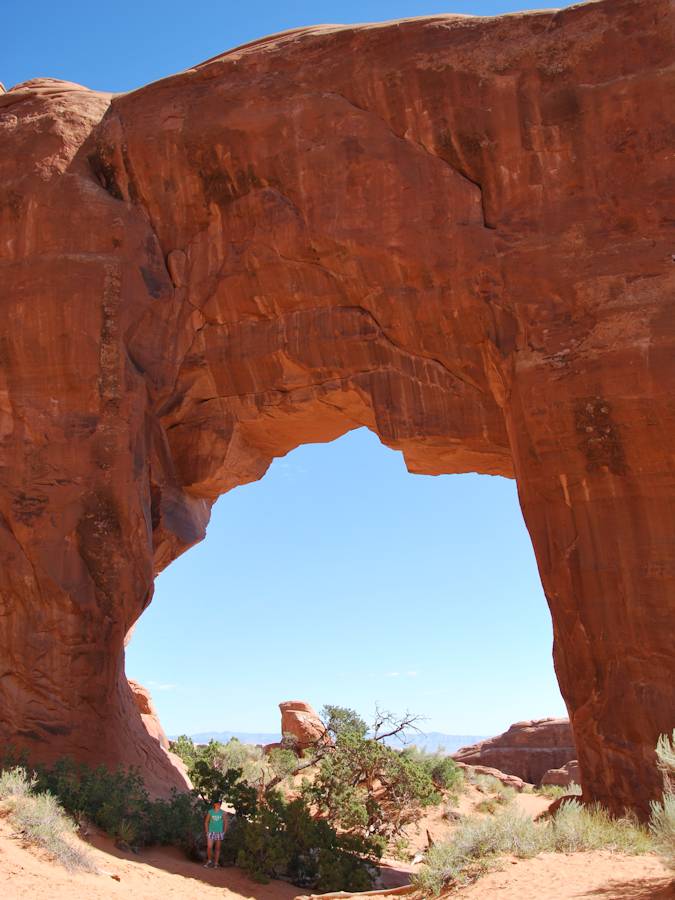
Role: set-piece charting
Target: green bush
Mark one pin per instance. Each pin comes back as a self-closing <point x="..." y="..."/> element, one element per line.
<point x="365" y="787"/>
<point x="443" y="770"/>
<point x="234" y="771"/>
<point x="40" y="819"/>
<point x="283" y="839"/>
<point x="118" y="803"/>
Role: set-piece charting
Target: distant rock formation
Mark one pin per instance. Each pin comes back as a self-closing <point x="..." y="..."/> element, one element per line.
<point x="507" y="780"/>
<point x="564" y="776"/>
<point x="301" y="723"/>
<point x="527" y="749"/>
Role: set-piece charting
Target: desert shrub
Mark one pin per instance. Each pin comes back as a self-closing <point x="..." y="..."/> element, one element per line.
<point x="502" y="796"/>
<point x="365" y="787"/>
<point x="554" y="791"/>
<point x="443" y="770"/>
<point x="340" y="721"/>
<point x="662" y="825"/>
<point x="253" y="766"/>
<point x="210" y="781"/>
<point x="576" y="827"/>
<point x="475" y="845"/>
<point x="16" y="782"/>
<point x="665" y="755"/>
<point x="185" y="747"/>
<point x="283" y="839"/>
<point x="118" y="803"/>
<point x="662" y="822"/>
<point x="486" y="784"/>
<point x="40" y="819"/>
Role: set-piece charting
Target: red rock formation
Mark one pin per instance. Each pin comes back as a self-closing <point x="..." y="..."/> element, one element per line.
<point x="527" y="749"/>
<point x="301" y="724"/>
<point x="155" y="766"/>
<point x="455" y="231"/>
<point x="507" y="780"/>
<point x="149" y="715"/>
<point x="564" y="776"/>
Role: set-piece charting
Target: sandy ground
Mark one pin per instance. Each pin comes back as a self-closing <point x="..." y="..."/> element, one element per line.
<point x="161" y="873"/>
<point x="150" y="875"/>
<point x="591" y="876"/>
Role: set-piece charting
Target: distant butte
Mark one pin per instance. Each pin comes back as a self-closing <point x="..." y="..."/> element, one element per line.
<point x="456" y="231"/>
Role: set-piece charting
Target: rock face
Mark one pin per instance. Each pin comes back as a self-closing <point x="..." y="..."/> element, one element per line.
<point x="527" y="749"/>
<point x="300" y="722"/>
<point x="149" y="716"/>
<point x="564" y="776"/>
<point x="507" y="780"/>
<point x="455" y="231"/>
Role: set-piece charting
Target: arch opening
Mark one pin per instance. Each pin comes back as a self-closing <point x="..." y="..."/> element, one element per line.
<point x="340" y="578"/>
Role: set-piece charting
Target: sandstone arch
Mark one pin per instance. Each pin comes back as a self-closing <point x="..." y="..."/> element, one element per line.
<point x="452" y="230"/>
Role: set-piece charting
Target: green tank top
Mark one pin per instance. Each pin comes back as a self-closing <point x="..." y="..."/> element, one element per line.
<point x="216" y="821"/>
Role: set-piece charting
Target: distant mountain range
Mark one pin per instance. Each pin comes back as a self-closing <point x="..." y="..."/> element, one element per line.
<point x="431" y="741"/>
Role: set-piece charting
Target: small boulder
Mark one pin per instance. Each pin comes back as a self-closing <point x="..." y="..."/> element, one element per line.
<point x="511" y="781"/>
<point x="564" y="776"/>
<point x="301" y="724"/>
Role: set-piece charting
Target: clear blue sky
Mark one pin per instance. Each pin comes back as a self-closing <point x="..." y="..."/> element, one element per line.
<point x="339" y="578"/>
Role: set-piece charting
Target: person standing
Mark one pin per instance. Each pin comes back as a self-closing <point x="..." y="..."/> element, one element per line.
<point x="214" y="827"/>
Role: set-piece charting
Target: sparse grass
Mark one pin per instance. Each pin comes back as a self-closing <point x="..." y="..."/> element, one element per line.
<point x="475" y="846"/>
<point x="486" y="784"/>
<point x="400" y="849"/>
<point x="554" y="791"/>
<point x="499" y="795"/>
<point x="663" y="828"/>
<point x="40" y="819"/>
<point x="663" y="814"/>
<point x="497" y="801"/>
<point x="478" y="842"/>
<point x="580" y="828"/>
<point x="16" y="782"/>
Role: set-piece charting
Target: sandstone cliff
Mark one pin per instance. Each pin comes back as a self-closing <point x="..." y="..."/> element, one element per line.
<point x="526" y="749"/>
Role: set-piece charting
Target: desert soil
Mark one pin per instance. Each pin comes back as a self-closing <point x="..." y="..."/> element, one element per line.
<point x="164" y="873"/>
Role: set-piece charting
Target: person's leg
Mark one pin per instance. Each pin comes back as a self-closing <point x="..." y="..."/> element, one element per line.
<point x="209" y="849"/>
<point x="219" y="844"/>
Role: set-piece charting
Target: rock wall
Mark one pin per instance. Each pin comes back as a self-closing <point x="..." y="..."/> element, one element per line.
<point x="454" y="231"/>
<point x="527" y="749"/>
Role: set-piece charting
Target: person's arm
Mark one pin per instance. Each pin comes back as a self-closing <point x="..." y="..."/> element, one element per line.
<point x="206" y="822"/>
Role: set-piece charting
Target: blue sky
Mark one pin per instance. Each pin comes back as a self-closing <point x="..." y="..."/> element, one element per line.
<point x="338" y="578"/>
<point x="122" y="45"/>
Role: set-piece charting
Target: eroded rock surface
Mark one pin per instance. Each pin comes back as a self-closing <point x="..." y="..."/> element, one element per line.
<point x="301" y="723"/>
<point x="457" y="232"/>
<point x="527" y="749"/>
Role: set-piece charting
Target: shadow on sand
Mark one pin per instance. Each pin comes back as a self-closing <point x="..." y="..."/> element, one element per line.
<point x="173" y="861"/>
<point x="638" y="889"/>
